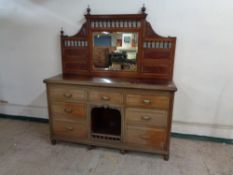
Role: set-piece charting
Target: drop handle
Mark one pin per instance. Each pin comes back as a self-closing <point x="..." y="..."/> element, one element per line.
<point x="145" y="118"/>
<point x="68" y="110"/>
<point x="67" y="95"/>
<point x="106" y="98"/>
<point x="69" y="128"/>
<point x="146" y="101"/>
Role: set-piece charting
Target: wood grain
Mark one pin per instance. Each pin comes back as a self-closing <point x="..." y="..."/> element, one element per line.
<point x="69" y="111"/>
<point x="147" y="101"/>
<point x="67" y="93"/>
<point x="80" y="59"/>
<point x="146" y="117"/>
<point x="144" y="97"/>
<point x="146" y="136"/>
<point x="106" y="96"/>
<point x="70" y="130"/>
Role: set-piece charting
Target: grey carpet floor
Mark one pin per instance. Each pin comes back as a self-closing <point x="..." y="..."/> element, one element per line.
<point x="25" y="150"/>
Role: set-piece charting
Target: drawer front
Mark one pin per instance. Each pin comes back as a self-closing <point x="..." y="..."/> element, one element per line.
<point x="109" y="97"/>
<point x="67" y="93"/>
<point x="154" y="138"/>
<point x="148" y="101"/>
<point x="69" y="111"/>
<point x="146" y="117"/>
<point x="70" y="130"/>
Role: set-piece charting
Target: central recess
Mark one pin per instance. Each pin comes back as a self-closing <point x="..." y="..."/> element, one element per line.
<point x="106" y="123"/>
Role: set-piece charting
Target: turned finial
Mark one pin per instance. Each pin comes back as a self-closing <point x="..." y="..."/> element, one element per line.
<point x="88" y="10"/>
<point x="62" y="32"/>
<point x="143" y="9"/>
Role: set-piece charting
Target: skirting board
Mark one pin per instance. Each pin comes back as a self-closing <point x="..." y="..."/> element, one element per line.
<point x="191" y="130"/>
<point x="23" y="110"/>
<point x="201" y="129"/>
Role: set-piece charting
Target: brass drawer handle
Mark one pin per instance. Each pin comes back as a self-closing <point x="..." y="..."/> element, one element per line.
<point x="69" y="128"/>
<point x="67" y="95"/>
<point x="146" y="101"/>
<point x="106" y="98"/>
<point x="145" y="118"/>
<point x="68" y="110"/>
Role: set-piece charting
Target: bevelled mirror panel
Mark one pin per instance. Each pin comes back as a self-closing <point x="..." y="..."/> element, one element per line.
<point x="115" y="51"/>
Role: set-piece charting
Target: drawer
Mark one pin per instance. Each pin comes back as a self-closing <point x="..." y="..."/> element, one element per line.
<point x="69" y="111"/>
<point x="67" y="93"/>
<point x="154" y="138"/>
<point x="70" y="130"/>
<point x="146" y="117"/>
<point x="105" y="96"/>
<point x="148" y="101"/>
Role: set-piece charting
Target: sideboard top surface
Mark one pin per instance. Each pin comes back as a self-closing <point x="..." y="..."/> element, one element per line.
<point x="135" y="83"/>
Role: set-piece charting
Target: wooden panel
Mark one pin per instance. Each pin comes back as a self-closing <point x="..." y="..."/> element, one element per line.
<point x="105" y="96"/>
<point x="67" y="93"/>
<point x="75" y="60"/>
<point x="155" y="62"/>
<point x="146" y="117"/>
<point x="148" y="101"/>
<point x="69" y="111"/>
<point x="77" y="66"/>
<point x="158" y="69"/>
<point x="75" y="55"/>
<point x="158" y="66"/>
<point x="79" y="56"/>
<point x="146" y="137"/>
<point x="70" y="130"/>
<point x="156" y="53"/>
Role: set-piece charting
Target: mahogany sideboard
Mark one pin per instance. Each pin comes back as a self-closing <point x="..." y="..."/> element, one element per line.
<point x="116" y="89"/>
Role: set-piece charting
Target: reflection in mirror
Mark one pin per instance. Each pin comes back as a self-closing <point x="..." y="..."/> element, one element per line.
<point x="115" y="51"/>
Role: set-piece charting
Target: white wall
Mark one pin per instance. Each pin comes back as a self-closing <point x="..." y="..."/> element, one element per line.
<point x="30" y="52"/>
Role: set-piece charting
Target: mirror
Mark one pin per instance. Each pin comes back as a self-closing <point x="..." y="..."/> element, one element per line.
<point x="116" y="51"/>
